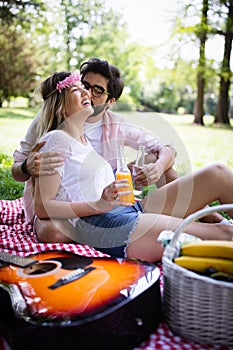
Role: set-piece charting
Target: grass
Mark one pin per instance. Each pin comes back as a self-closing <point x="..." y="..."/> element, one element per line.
<point x="13" y="125"/>
<point x="196" y="146"/>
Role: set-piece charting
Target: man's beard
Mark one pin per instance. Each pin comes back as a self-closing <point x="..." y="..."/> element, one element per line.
<point x="98" y="109"/>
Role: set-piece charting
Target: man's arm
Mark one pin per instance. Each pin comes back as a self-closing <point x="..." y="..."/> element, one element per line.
<point x="160" y="156"/>
<point x="36" y="163"/>
<point x="28" y="161"/>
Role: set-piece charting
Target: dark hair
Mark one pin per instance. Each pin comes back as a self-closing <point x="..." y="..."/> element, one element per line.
<point x="112" y="73"/>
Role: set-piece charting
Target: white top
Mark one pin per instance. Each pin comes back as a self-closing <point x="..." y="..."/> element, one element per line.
<point x="94" y="133"/>
<point x="105" y="135"/>
<point x="84" y="173"/>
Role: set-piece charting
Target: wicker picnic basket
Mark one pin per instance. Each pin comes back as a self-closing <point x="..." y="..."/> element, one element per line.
<point x="196" y="307"/>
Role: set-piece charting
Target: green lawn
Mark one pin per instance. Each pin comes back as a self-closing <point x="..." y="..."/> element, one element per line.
<point x="196" y="146"/>
<point x="13" y="125"/>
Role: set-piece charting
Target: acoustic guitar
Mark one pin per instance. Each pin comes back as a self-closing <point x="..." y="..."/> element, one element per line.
<point x="60" y="289"/>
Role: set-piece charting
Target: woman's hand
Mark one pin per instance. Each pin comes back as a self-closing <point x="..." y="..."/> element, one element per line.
<point x="111" y="194"/>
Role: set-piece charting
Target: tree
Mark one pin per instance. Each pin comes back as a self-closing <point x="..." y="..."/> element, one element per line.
<point x="19" y="59"/>
<point x="94" y="31"/>
<point x="78" y="23"/>
<point x="222" y="111"/>
<point x="105" y="41"/>
<point x="19" y="11"/>
<point x="18" y="67"/>
<point x="60" y="35"/>
<point x="202" y="35"/>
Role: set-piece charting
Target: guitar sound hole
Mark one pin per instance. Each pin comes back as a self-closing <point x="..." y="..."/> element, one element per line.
<point x="40" y="268"/>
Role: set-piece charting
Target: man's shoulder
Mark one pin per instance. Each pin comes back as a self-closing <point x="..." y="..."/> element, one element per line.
<point x="113" y="117"/>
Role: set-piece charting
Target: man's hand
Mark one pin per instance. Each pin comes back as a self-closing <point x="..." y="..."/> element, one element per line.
<point x="158" y="169"/>
<point x="43" y="163"/>
<point x="150" y="174"/>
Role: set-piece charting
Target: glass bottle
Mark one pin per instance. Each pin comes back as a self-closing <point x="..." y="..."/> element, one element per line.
<point x="139" y="164"/>
<point x="123" y="172"/>
<point x="140" y="160"/>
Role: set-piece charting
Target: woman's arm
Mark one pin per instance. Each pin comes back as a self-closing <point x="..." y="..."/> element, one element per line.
<point x="46" y="206"/>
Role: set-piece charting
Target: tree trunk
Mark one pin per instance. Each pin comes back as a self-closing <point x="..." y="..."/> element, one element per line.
<point x="198" y="108"/>
<point x="222" y="110"/>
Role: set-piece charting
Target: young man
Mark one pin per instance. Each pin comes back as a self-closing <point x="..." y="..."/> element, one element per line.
<point x="105" y="131"/>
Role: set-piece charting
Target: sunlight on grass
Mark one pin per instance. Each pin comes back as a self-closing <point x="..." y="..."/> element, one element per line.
<point x="196" y="146"/>
<point x="206" y="144"/>
<point x="13" y="125"/>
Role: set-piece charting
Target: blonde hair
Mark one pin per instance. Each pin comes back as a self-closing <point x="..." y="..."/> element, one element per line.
<point x="55" y="104"/>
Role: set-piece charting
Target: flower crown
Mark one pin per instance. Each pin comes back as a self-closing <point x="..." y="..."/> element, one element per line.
<point x="68" y="81"/>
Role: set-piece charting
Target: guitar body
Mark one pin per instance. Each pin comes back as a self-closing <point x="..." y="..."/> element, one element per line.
<point x="66" y="299"/>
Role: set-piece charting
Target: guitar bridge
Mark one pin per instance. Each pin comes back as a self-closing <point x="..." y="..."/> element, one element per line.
<point x="70" y="277"/>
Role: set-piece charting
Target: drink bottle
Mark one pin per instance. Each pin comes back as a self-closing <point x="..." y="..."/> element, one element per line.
<point x="139" y="164"/>
<point x="123" y="172"/>
<point x="140" y="160"/>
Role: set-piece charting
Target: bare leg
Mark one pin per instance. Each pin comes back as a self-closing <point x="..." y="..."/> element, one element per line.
<point x="192" y="192"/>
<point x="214" y="218"/>
<point x="171" y="175"/>
<point x="143" y="241"/>
<point x="51" y="231"/>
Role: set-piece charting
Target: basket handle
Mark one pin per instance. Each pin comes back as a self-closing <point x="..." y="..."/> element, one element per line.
<point x="171" y="249"/>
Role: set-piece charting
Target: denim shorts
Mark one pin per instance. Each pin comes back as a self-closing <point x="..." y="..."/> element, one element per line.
<point x="109" y="232"/>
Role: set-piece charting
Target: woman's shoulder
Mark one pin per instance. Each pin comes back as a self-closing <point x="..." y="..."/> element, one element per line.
<point x="54" y="134"/>
<point x="56" y="140"/>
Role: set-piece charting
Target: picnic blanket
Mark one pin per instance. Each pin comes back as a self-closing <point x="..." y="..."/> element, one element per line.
<point x="16" y="237"/>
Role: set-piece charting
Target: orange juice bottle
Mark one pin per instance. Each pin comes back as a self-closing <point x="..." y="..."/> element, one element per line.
<point x="123" y="172"/>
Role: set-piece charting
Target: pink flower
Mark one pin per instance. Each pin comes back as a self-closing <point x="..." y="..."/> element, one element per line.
<point x="70" y="80"/>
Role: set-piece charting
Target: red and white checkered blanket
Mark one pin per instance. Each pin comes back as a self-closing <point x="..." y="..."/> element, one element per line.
<point x="16" y="237"/>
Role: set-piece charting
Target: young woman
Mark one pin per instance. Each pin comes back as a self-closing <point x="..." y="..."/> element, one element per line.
<point x="84" y="191"/>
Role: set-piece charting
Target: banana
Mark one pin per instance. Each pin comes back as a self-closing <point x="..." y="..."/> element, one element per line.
<point x="215" y="249"/>
<point x="199" y="264"/>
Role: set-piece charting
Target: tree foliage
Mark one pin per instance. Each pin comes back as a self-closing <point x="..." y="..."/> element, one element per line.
<point x="19" y="58"/>
<point x="39" y="37"/>
<point x="70" y="32"/>
<point x="200" y="21"/>
<point x="18" y="67"/>
<point x="19" y="11"/>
